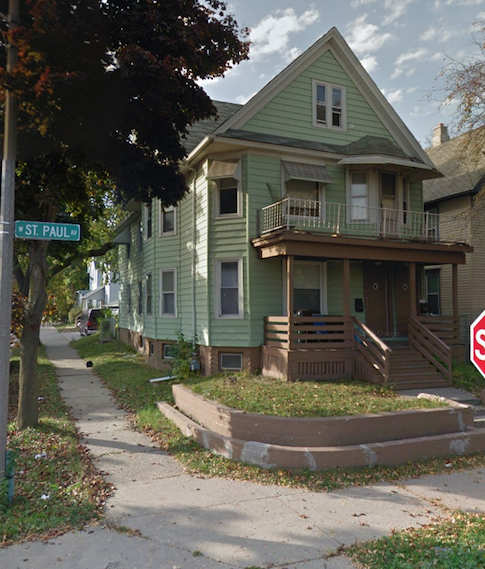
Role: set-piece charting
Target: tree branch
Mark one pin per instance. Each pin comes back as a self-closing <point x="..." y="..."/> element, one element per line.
<point x="99" y="252"/>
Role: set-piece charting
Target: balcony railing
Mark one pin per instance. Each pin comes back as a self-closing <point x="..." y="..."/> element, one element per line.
<point x="360" y="221"/>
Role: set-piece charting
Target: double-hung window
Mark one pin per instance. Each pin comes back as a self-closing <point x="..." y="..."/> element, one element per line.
<point x="149" y="294"/>
<point x="227" y="189"/>
<point x="168" y="293"/>
<point x="358" y="196"/>
<point x="140" y="297"/>
<point x="229" y="302"/>
<point x="168" y="221"/>
<point x="329" y="106"/>
<point x="149" y="220"/>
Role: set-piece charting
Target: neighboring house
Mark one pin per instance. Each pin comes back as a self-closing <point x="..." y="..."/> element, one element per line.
<point x="104" y="289"/>
<point x="458" y="201"/>
<point x="301" y="246"/>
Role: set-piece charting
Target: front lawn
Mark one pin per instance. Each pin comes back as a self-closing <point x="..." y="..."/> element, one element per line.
<point x="125" y="373"/>
<point x="56" y="486"/>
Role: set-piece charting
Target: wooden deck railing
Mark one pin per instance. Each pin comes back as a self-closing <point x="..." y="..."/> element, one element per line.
<point x="447" y="328"/>
<point x="374" y="350"/>
<point x="307" y="332"/>
<point x="428" y="343"/>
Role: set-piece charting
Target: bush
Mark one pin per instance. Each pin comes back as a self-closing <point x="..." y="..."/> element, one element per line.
<point x="74" y="313"/>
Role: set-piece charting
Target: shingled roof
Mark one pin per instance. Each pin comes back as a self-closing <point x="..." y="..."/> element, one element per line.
<point x="462" y="162"/>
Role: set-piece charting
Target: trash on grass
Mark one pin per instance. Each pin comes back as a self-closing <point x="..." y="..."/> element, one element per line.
<point x="40" y="455"/>
<point x="45" y="496"/>
<point x="166" y="378"/>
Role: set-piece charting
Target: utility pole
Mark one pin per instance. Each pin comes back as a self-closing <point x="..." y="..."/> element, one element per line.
<point x="7" y="205"/>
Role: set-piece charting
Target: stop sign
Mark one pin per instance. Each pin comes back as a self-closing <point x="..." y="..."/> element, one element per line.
<point x="477" y="343"/>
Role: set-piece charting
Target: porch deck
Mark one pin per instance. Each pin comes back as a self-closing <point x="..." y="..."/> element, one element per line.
<point x="331" y="347"/>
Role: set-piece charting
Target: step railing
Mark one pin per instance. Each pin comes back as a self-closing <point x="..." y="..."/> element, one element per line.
<point x="373" y="349"/>
<point x="437" y="352"/>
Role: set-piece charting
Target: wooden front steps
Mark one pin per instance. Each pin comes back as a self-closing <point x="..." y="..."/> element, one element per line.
<point x="409" y="369"/>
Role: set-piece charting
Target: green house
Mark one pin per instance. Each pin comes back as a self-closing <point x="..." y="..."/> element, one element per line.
<point x="301" y="246"/>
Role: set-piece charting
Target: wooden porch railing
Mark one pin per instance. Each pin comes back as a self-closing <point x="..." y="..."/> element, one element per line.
<point x="447" y="328"/>
<point x="374" y="350"/>
<point x="433" y="348"/>
<point x="307" y="332"/>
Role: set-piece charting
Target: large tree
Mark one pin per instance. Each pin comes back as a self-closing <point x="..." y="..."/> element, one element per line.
<point x="106" y="91"/>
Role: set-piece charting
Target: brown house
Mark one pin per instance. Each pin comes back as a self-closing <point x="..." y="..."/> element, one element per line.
<point x="458" y="201"/>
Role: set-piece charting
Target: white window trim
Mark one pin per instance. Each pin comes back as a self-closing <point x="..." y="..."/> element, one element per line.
<point x="323" y="286"/>
<point x="349" y="196"/>
<point x="240" y="212"/>
<point x="149" y="314"/>
<point x="160" y="293"/>
<point x="217" y="293"/>
<point x="222" y="354"/>
<point x="161" y="232"/>
<point x="328" y="91"/>
<point x="148" y="211"/>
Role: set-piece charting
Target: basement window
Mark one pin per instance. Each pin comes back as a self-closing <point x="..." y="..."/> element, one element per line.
<point x="231" y="362"/>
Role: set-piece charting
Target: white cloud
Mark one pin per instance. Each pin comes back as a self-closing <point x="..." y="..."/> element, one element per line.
<point x="369" y="63"/>
<point x="364" y="37"/>
<point x="393" y="96"/>
<point x="437" y="57"/>
<point x="396" y="9"/>
<point x="438" y="34"/>
<point x="243" y="99"/>
<point x="357" y="3"/>
<point x="272" y="34"/>
<point x="411" y="55"/>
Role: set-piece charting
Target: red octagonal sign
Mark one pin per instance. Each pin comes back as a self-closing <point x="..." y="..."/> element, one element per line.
<point x="477" y="343"/>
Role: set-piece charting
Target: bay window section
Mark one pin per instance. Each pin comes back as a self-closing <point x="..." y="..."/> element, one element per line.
<point x="229" y="288"/>
<point x="168" y="293"/>
<point x="358" y="196"/>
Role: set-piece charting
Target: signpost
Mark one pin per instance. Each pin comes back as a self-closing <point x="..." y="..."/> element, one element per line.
<point x="47" y="231"/>
<point x="477" y="343"/>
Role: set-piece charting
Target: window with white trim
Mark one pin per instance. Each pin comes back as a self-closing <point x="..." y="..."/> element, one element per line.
<point x="433" y="291"/>
<point x="309" y="287"/>
<point x="149" y="220"/>
<point x="168" y="293"/>
<point x="231" y="362"/>
<point x="169" y="351"/>
<point x="229" y="301"/>
<point x="168" y="220"/>
<point x="149" y="294"/>
<point x="227" y="188"/>
<point x="128" y="298"/>
<point x="359" y="193"/>
<point x="329" y="106"/>
<point x="140" y="297"/>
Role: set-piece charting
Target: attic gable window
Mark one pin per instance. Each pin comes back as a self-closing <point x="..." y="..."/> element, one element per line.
<point x="329" y="106"/>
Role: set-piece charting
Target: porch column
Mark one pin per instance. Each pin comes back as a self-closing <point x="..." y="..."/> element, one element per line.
<point x="346" y="289"/>
<point x="290" y="262"/>
<point x="454" y="290"/>
<point x="412" y="290"/>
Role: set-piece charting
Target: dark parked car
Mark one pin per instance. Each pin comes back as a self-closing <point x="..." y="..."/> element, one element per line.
<point x="88" y="321"/>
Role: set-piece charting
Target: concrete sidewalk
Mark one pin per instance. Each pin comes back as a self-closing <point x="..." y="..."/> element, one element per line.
<point x="187" y="522"/>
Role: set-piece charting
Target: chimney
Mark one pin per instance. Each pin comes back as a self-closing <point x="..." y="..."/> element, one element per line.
<point x="440" y="134"/>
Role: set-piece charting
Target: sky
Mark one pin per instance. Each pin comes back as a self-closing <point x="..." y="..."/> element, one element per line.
<point x="403" y="44"/>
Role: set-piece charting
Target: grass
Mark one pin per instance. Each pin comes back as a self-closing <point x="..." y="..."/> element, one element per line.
<point x="56" y="486"/>
<point x="457" y="543"/>
<point x="466" y="377"/>
<point x="124" y="372"/>
<point x="258" y="394"/>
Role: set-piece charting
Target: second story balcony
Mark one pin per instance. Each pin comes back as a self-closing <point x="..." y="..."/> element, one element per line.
<point x="292" y="214"/>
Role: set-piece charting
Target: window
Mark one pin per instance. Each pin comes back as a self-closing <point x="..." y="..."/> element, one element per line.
<point x="140" y="297"/>
<point x="128" y="298"/>
<point x="168" y="220"/>
<point x="227" y="194"/>
<point x="229" y="289"/>
<point x="405" y="199"/>
<point x="433" y="291"/>
<point x="231" y="362"/>
<point x="358" y="196"/>
<point x="140" y="237"/>
<point x="149" y="294"/>
<point x="151" y="349"/>
<point x="308" y="288"/>
<point x="149" y="220"/>
<point x="168" y="351"/>
<point x="168" y="294"/>
<point x="306" y="198"/>
<point x="328" y="106"/>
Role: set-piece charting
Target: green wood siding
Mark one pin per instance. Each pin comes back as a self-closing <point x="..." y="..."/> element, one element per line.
<point x="290" y="112"/>
<point x="335" y="287"/>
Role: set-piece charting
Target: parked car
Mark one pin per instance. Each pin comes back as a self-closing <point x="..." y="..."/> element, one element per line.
<point x="88" y="321"/>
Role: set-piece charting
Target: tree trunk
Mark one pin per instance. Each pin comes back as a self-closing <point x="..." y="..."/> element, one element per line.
<point x="27" y="414"/>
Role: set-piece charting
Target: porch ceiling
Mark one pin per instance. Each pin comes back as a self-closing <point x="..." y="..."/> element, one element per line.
<point x="287" y="243"/>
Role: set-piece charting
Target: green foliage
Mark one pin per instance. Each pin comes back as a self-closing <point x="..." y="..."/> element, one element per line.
<point x="74" y="313"/>
<point x="184" y="352"/>
<point x="467" y="377"/>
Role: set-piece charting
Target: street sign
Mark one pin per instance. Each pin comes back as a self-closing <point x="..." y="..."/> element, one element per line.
<point x="477" y="343"/>
<point x="47" y="231"/>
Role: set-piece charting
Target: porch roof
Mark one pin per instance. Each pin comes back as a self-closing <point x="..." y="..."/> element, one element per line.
<point x="299" y="244"/>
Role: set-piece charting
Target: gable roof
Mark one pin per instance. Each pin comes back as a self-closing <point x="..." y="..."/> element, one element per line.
<point x="463" y="164"/>
<point x="350" y="63"/>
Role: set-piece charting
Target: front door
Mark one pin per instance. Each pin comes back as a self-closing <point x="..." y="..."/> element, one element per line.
<point x="386" y="288"/>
